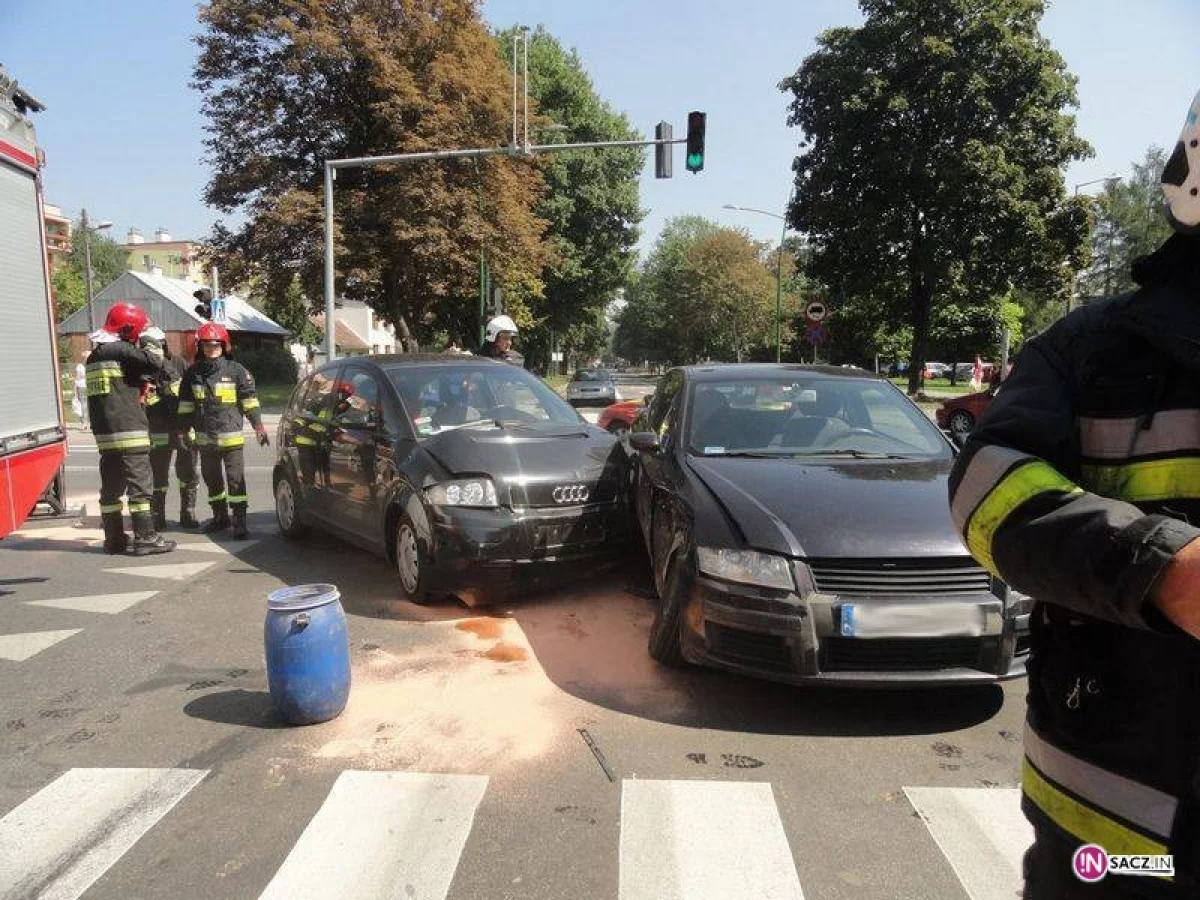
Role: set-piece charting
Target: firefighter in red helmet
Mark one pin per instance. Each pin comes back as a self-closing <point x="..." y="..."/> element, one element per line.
<point x="168" y="439"/>
<point x="217" y="393"/>
<point x="115" y="371"/>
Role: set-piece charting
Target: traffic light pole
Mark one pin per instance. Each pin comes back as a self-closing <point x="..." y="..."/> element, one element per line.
<point x="368" y="162"/>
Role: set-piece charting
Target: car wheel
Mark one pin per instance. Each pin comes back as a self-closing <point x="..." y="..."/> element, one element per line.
<point x="412" y="562"/>
<point x="961" y="424"/>
<point x="666" y="639"/>
<point x="618" y="429"/>
<point x="287" y="508"/>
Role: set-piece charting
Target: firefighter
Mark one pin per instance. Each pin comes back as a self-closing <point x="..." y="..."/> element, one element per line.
<point x="167" y="438"/>
<point x="499" y="335"/>
<point x="116" y="369"/>
<point x="217" y="393"/>
<point x="1080" y="488"/>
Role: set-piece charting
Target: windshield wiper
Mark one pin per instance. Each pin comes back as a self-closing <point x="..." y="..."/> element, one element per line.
<point x="857" y="454"/>
<point x="747" y="454"/>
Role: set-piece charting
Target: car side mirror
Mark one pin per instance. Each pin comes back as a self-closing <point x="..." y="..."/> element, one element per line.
<point x="645" y="442"/>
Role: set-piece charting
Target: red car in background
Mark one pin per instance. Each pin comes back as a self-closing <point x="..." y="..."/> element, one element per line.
<point x="618" y="418"/>
<point x="958" y="415"/>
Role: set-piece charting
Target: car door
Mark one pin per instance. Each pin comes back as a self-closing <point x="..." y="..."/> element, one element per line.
<point x="354" y="432"/>
<point x="310" y="435"/>
<point x="650" y="465"/>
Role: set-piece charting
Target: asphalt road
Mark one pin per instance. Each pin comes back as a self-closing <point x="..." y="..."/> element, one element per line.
<point x="527" y="751"/>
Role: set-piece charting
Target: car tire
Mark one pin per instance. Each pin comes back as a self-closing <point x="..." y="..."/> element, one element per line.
<point x="962" y="423"/>
<point x="666" y="636"/>
<point x="412" y="562"/>
<point x="287" y="508"/>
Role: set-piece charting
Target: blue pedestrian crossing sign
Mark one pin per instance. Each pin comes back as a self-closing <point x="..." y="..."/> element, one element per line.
<point x="218" y="310"/>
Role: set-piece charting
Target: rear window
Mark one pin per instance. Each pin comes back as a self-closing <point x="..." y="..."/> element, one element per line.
<point x="590" y="375"/>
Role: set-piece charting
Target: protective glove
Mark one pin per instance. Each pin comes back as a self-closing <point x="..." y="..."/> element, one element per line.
<point x="263" y="440"/>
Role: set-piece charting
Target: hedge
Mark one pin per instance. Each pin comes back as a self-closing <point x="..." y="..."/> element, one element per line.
<point x="270" y="365"/>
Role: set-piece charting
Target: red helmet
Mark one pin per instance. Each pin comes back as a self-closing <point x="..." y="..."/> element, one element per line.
<point x="126" y="320"/>
<point x="211" y="331"/>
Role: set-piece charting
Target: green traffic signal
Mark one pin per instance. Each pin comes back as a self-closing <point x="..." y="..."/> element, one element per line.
<point x="695" y="162"/>
<point x="695" y="141"/>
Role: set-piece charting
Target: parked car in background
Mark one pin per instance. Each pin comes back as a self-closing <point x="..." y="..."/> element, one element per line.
<point x="936" y="370"/>
<point x="618" y="418"/>
<point x="592" y="387"/>
<point x="959" y="415"/>
<point x="963" y="371"/>
<point x="472" y="476"/>
<point x="812" y="541"/>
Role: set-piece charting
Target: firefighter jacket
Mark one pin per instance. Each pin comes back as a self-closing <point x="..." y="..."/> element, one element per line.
<point x="215" y="396"/>
<point x="115" y="375"/>
<point x="162" y="402"/>
<point x="1080" y="483"/>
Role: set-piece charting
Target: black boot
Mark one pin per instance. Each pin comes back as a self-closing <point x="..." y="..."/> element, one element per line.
<point x="158" y="505"/>
<point x="115" y="539"/>
<point x="240" y="531"/>
<point x="220" y="519"/>
<point x="187" y="501"/>
<point x="147" y="541"/>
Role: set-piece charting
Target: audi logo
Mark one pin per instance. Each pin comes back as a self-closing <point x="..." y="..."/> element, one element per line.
<point x="571" y="493"/>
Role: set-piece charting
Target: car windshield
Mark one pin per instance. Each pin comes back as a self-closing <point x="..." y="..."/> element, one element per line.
<point x="442" y="398"/>
<point x="798" y="415"/>
<point x="591" y="376"/>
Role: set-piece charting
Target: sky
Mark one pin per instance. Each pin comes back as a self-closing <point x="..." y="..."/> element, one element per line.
<point x="123" y="133"/>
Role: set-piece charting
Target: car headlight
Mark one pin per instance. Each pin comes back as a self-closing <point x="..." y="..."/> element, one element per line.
<point x="746" y="567"/>
<point x="470" y="492"/>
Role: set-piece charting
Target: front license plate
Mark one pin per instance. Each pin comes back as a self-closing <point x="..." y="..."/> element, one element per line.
<point x="912" y="620"/>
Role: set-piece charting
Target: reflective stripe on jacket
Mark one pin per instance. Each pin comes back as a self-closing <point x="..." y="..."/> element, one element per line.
<point x="215" y="396"/>
<point x="115" y="373"/>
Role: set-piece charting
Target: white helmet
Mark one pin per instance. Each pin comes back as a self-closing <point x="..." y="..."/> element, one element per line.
<point x="1181" y="177"/>
<point x="497" y="325"/>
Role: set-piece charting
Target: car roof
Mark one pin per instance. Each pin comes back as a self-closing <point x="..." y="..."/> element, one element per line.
<point x="399" y="360"/>
<point x="727" y="371"/>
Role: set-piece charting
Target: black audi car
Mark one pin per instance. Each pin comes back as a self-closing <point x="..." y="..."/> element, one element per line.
<point x="472" y="476"/>
<point x="797" y="522"/>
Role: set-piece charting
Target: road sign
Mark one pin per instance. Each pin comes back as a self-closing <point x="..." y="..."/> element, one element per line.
<point x="218" y="310"/>
<point x="816" y="311"/>
<point x="816" y="333"/>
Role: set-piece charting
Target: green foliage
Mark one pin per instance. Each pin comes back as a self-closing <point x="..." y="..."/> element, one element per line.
<point x="1129" y="223"/>
<point x="288" y="84"/>
<point x="591" y="200"/>
<point x="703" y="293"/>
<point x="935" y="137"/>
<point x="291" y="311"/>
<point x="271" y="365"/>
<point x="108" y="264"/>
<point x="70" y="293"/>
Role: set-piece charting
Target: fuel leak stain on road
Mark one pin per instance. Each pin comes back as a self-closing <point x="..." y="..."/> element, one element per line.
<point x="486" y="629"/>
<point x="505" y="653"/>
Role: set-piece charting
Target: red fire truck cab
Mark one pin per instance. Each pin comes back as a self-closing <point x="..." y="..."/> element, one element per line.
<point x="33" y="442"/>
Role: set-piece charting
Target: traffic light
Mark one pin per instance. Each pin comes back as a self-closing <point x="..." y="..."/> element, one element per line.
<point x="204" y="307"/>
<point x="695" y="141"/>
<point x="664" y="152"/>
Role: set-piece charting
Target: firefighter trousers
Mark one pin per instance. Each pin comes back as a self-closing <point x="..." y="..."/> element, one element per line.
<point x="1049" y="875"/>
<point x="224" y="471"/>
<point x="185" y="465"/>
<point x="125" y="473"/>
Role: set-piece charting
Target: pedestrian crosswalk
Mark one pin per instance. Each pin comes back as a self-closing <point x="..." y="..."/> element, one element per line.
<point x="390" y="834"/>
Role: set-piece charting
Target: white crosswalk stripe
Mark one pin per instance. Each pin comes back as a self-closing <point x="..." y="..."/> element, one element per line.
<point x="703" y="840"/>
<point x="97" y="603"/>
<point x="382" y="835"/>
<point x="169" y="571"/>
<point x="981" y="832"/>
<point x="20" y="647"/>
<point x="58" y="842"/>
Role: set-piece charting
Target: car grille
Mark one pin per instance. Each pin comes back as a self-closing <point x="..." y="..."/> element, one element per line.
<point x="542" y="495"/>
<point x="898" y="654"/>
<point x="751" y="648"/>
<point x="864" y="578"/>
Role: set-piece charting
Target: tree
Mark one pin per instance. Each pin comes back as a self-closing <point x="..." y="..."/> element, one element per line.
<point x="591" y="203"/>
<point x="288" y="84"/>
<point x="109" y="262"/>
<point x="935" y="135"/>
<point x="1130" y="223"/>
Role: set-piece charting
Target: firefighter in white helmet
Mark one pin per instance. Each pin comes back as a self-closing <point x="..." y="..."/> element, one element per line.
<point x="498" y="341"/>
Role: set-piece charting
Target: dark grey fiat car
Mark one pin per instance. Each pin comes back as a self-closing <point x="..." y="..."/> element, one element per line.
<point x="472" y="476"/>
<point x="797" y="522"/>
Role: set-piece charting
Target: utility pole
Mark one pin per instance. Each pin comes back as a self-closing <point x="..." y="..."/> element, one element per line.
<point x="87" y="268"/>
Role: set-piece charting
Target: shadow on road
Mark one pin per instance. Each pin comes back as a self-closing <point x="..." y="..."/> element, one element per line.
<point x="590" y="639"/>
<point x="236" y="707"/>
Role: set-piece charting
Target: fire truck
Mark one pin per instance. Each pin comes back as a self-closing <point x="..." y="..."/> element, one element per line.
<point x="33" y="443"/>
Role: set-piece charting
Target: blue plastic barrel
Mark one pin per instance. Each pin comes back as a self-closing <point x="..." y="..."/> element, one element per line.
<point x="308" y="653"/>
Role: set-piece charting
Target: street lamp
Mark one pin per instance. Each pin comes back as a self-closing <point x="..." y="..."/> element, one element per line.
<point x="87" y="262"/>
<point x="1107" y="180"/>
<point x="778" y="271"/>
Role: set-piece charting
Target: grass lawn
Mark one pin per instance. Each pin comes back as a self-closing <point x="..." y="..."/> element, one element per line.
<point x="274" y="397"/>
